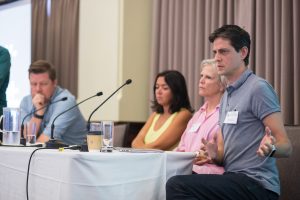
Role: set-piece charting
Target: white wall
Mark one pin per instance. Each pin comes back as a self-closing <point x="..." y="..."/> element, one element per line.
<point x="98" y="54"/>
<point x="15" y="35"/>
<point x="137" y="20"/>
<point x="114" y="45"/>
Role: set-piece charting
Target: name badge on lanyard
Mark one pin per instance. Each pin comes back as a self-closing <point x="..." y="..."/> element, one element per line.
<point x="231" y="117"/>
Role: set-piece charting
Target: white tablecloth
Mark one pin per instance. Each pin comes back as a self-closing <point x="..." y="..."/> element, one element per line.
<point x="73" y="175"/>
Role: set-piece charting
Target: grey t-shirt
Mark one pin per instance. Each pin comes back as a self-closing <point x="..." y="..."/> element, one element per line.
<point x="70" y="127"/>
<point x="254" y="99"/>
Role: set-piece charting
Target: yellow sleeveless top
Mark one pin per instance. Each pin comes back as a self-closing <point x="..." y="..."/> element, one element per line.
<point x="152" y="134"/>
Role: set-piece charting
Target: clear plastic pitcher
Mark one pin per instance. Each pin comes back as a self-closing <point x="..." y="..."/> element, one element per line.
<point x="11" y="126"/>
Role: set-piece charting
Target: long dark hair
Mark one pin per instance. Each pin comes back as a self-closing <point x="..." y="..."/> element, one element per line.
<point x="175" y="80"/>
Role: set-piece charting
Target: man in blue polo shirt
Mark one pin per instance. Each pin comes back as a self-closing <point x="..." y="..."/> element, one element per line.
<point x="252" y="131"/>
<point x="70" y="127"/>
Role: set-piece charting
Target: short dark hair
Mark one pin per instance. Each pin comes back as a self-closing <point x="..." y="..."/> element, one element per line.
<point x="175" y="80"/>
<point x="42" y="66"/>
<point x="237" y="36"/>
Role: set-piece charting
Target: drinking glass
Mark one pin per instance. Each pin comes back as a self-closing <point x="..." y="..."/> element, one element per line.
<point x="94" y="137"/>
<point x="30" y="133"/>
<point x="108" y="132"/>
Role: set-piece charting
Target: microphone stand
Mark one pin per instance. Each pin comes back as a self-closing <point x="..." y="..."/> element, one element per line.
<point x="89" y="119"/>
<point x="55" y="143"/>
<point x="22" y="139"/>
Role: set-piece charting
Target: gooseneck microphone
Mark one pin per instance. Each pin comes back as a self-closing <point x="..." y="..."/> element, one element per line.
<point x="23" y="140"/>
<point x="54" y="143"/>
<point x="89" y="119"/>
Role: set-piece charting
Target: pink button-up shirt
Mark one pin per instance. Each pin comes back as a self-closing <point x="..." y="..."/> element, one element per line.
<point x="202" y="125"/>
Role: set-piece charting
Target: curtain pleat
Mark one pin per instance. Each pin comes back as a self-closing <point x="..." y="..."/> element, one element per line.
<point x="39" y="27"/>
<point x="180" y="41"/>
<point x="296" y="59"/>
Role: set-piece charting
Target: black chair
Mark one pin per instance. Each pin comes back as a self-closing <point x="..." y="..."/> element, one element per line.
<point x="289" y="168"/>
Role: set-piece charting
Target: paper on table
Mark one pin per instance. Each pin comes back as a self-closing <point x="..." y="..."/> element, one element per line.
<point x="133" y="150"/>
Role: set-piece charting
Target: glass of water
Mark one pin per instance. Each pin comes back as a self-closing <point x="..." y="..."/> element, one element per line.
<point x="30" y="133"/>
<point x="107" y="139"/>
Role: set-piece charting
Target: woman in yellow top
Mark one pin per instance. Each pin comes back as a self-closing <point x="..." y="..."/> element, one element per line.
<point x="171" y="113"/>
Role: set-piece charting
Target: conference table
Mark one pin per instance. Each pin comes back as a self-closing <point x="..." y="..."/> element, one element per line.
<point x="75" y="175"/>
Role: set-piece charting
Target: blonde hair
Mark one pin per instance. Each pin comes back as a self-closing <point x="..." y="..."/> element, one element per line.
<point x="213" y="64"/>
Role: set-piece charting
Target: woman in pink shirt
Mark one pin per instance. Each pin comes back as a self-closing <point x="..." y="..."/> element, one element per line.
<point x="204" y="123"/>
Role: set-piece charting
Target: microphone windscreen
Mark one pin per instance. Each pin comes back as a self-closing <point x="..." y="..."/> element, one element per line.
<point x="128" y="81"/>
<point x="99" y="93"/>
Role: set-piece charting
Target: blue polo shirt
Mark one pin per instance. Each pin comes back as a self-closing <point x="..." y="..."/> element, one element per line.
<point x="254" y="99"/>
<point x="70" y="127"/>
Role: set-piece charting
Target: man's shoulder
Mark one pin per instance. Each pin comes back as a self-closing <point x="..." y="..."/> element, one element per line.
<point x="3" y="50"/>
<point x="4" y="53"/>
<point x="26" y="102"/>
<point x="26" y="99"/>
<point x="254" y="77"/>
<point x="61" y="92"/>
<point x="258" y="83"/>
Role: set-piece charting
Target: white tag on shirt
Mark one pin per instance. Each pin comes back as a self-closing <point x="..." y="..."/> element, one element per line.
<point x="194" y="127"/>
<point x="231" y="117"/>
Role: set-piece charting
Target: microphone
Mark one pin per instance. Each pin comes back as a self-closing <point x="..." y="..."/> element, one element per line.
<point x="23" y="140"/>
<point x="54" y="143"/>
<point x="89" y="119"/>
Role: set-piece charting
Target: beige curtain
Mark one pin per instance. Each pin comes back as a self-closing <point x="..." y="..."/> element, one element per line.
<point x="180" y="41"/>
<point x="55" y="38"/>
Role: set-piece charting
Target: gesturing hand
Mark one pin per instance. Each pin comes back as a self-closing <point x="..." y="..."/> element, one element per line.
<point x="207" y="153"/>
<point x="211" y="147"/>
<point x="201" y="158"/>
<point x="266" y="145"/>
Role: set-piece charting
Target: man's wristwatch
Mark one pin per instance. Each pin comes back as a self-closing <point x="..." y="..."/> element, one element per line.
<point x="273" y="150"/>
<point x="38" y="116"/>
